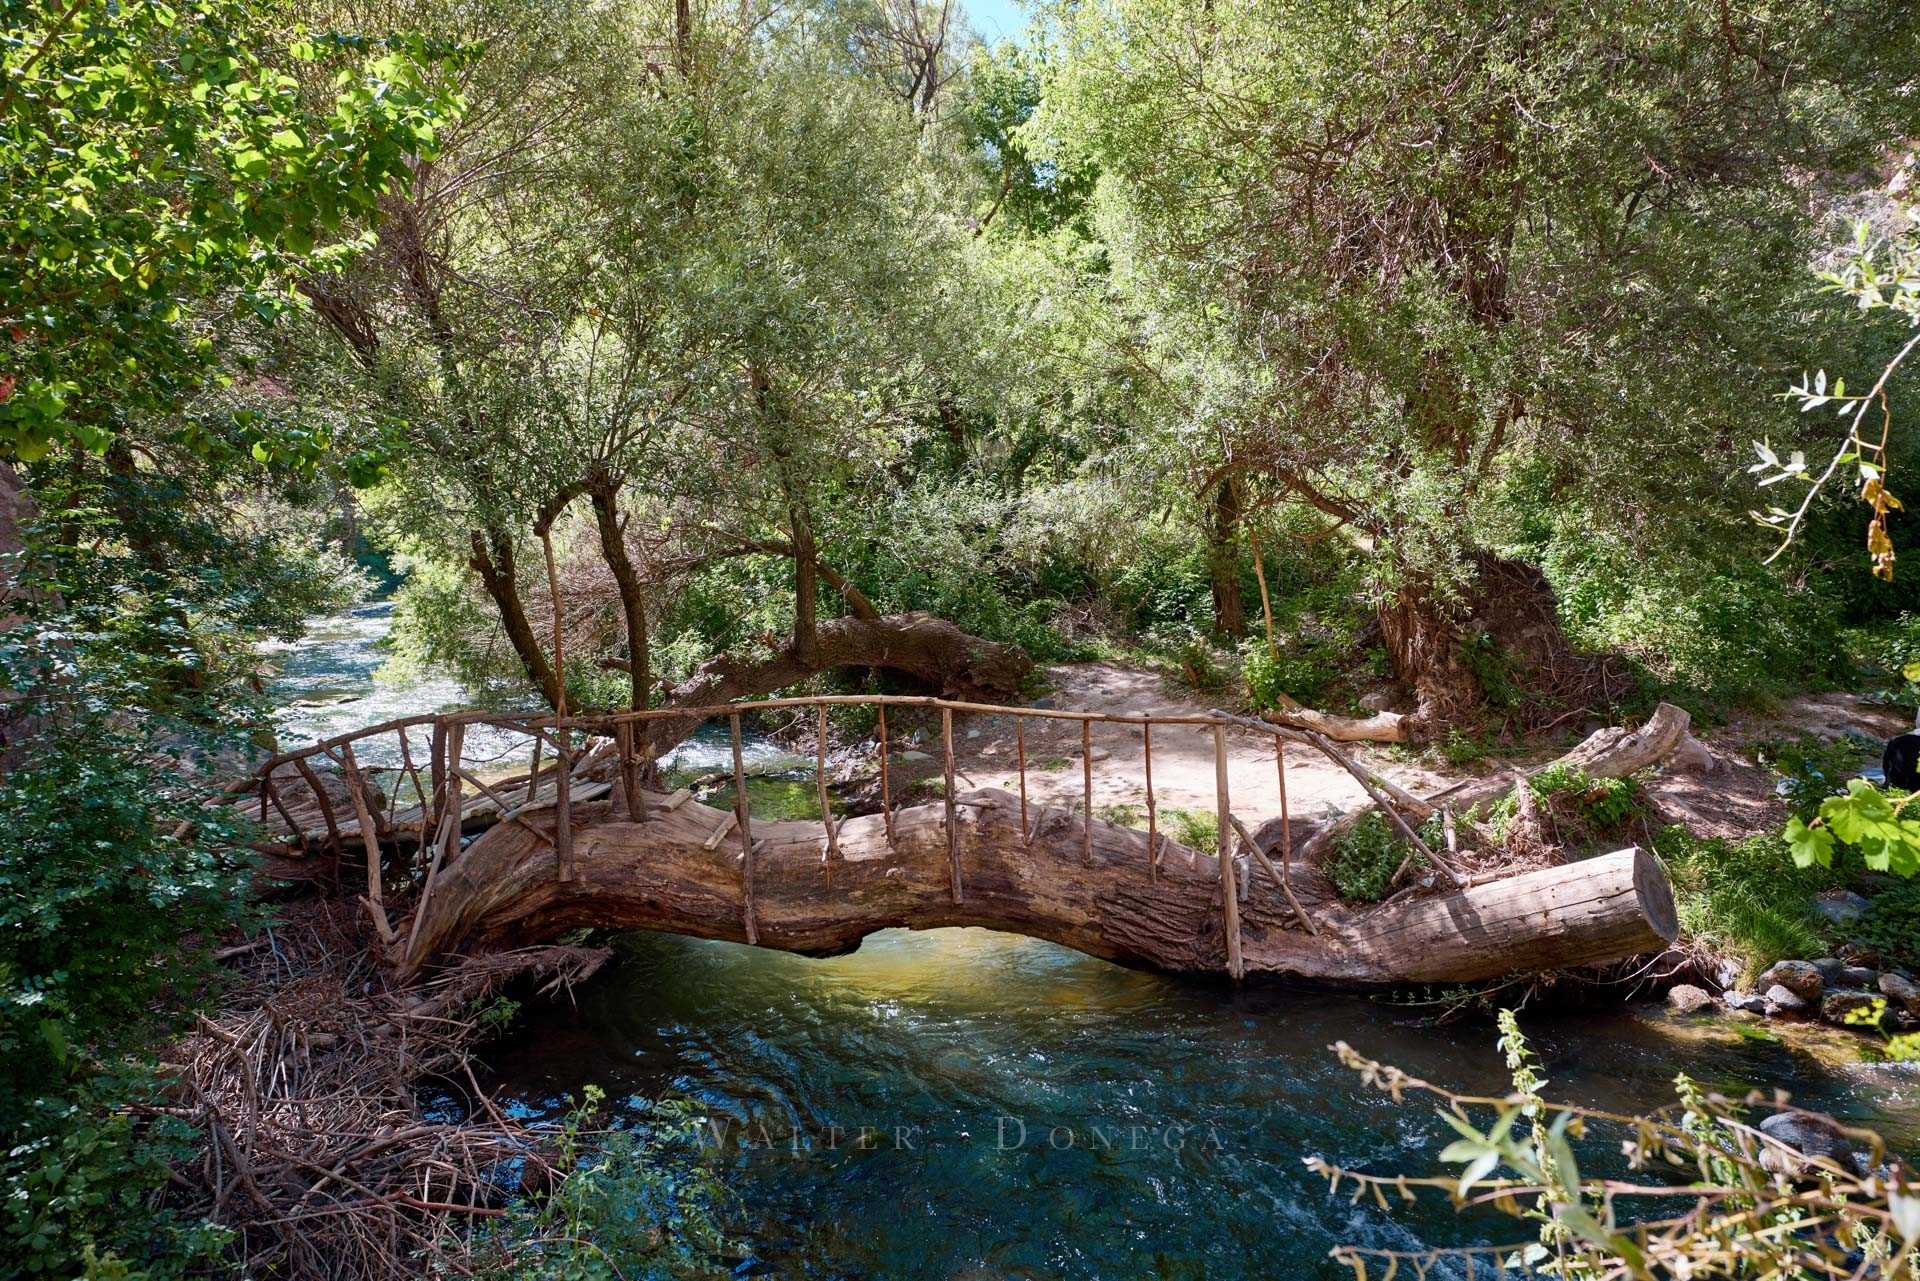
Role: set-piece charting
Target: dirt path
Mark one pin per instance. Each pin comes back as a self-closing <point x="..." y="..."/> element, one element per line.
<point x="1183" y="764"/>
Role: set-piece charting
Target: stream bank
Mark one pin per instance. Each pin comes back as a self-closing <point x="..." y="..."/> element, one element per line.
<point x="1042" y="1113"/>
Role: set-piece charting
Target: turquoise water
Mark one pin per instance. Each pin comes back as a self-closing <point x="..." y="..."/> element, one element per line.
<point x="964" y="1104"/>
<point x="1031" y="1112"/>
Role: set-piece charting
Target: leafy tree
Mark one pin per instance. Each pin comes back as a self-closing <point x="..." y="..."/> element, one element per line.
<point x="1389" y="267"/>
<point x="169" y="175"/>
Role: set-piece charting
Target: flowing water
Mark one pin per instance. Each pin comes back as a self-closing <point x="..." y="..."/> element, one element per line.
<point x="965" y="1104"/>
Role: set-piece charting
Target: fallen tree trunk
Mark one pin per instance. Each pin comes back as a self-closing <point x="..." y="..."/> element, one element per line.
<point x="662" y="874"/>
<point x="1381" y="727"/>
<point x="948" y="661"/>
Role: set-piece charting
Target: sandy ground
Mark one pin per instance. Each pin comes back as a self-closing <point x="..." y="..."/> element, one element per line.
<point x="1183" y="758"/>
<point x="1731" y="794"/>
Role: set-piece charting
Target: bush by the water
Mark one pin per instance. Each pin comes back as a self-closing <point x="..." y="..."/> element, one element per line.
<point x="1744" y="899"/>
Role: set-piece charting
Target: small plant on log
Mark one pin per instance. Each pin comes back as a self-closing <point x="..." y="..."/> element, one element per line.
<point x="1363" y="862"/>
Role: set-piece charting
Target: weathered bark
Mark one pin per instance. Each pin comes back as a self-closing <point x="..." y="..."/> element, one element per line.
<point x="1381" y="727"/>
<point x="1223" y="565"/>
<point x="1423" y="642"/>
<point x="935" y="653"/>
<point x="658" y="874"/>
<point x="633" y="595"/>
<point x="493" y="560"/>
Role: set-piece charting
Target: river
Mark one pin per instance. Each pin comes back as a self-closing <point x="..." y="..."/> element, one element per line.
<point x="965" y="1104"/>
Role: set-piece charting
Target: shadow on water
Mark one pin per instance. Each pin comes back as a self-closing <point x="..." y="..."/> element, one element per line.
<point x="1029" y="1111"/>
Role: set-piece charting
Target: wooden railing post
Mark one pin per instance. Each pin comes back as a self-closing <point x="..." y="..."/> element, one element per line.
<point x="370" y="839"/>
<point x="1153" y="809"/>
<point x="886" y="790"/>
<point x="326" y="805"/>
<point x="455" y="749"/>
<point x="743" y="822"/>
<point x="1086" y="781"/>
<point x="1020" y="749"/>
<point x="1229" y="893"/>
<point x="437" y="772"/>
<point x="820" y="780"/>
<point x="629" y="771"/>
<point x="953" y="836"/>
<point x="563" y="800"/>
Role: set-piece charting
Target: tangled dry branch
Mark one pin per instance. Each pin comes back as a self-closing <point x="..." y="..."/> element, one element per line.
<point x="317" y="1152"/>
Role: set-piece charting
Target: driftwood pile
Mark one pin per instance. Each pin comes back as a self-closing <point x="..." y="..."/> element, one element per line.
<point x="316" y="1152"/>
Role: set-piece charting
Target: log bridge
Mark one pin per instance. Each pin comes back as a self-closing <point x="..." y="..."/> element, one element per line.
<point x="580" y="839"/>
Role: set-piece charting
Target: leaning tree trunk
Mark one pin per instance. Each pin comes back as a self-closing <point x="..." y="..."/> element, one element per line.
<point x="1423" y="643"/>
<point x="633" y="596"/>
<point x="493" y="560"/>
<point x="1101" y="899"/>
<point x="1223" y="562"/>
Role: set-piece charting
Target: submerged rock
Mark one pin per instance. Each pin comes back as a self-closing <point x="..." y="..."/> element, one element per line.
<point x="1807" y="1135"/>
<point x="1802" y="978"/>
<point x="1688" y="999"/>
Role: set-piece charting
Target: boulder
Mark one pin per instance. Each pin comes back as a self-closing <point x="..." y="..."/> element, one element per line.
<point x="1829" y="967"/>
<point x="1381" y="700"/>
<point x="1688" y="999"/>
<point x="1806" y="1135"/>
<point x="1901" y="992"/>
<point x="1783" y="1003"/>
<point x="1692" y="757"/>
<point x="1842" y="907"/>
<point x="1751" y="1002"/>
<point x="1856" y="976"/>
<point x="1837" y="1006"/>
<point x="1801" y="978"/>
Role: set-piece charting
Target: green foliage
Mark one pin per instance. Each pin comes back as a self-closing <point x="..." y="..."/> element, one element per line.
<point x="105" y="920"/>
<point x="1522" y="1153"/>
<point x="1361" y="863"/>
<point x="1891" y="925"/>
<point x="1577" y="806"/>
<point x="1705" y="621"/>
<point x="1462" y="748"/>
<point x="1198" y="830"/>
<point x="170" y="178"/>
<point x="1865" y="818"/>
<point x="641" y="1202"/>
<point x="80" y="1179"/>
<point x="1744" y="899"/>
<point x="1492" y="669"/>
<point x="1812" y="768"/>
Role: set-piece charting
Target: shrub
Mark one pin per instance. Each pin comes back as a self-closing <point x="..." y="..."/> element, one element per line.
<point x="1891" y="925"/>
<point x="1744" y="899"/>
<point x="1812" y="768"/>
<point x="1705" y="1199"/>
<point x="639" y="1202"/>
<point x="1361" y="863"/>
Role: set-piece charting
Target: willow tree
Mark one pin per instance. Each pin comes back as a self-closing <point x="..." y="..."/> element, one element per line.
<point x="1399" y="267"/>
<point x="705" y="294"/>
